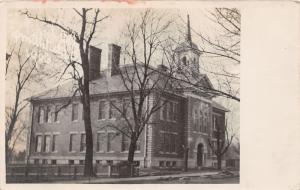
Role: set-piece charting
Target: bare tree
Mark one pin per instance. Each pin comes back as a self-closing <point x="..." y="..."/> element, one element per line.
<point x="146" y="44"/>
<point x="227" y="42"/>
<point x="83" y="38"/>
<point x="222" y="141"/>
<point x="22" y="74"/>
<point x="223" y="51"/>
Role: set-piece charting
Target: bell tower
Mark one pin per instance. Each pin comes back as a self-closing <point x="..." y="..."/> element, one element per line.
<point x="188" y="54"/>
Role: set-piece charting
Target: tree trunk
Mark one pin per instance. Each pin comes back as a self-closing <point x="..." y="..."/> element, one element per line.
<point x="7" y="153"/>
<point x="131" y="151"/>
<point x="88" y="167"/>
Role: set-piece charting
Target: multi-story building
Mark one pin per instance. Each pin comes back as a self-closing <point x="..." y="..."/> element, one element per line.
<point x="183" y="125"/>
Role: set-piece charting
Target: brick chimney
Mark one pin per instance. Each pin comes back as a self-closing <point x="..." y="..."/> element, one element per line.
<point x="113" y="59"/>
<point x="94" y="62"/>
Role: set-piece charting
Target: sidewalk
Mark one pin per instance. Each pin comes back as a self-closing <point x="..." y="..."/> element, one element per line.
<point x="124" y="180"/>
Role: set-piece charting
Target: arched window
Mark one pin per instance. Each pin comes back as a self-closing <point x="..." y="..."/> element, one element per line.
<point x="205" y="122"/>
<point x="195" y="118"/>
<point x="184" y="60"/>
<point x="201" y="121"/>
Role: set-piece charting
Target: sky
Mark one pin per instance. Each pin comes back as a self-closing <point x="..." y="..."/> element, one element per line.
<point x="110" y="31"/>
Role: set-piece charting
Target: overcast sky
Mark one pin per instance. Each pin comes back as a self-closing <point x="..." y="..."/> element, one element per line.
<point x="32" y="33"/>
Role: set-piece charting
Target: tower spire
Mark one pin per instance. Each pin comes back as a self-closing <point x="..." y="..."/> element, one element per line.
<point x="188" y="34"/>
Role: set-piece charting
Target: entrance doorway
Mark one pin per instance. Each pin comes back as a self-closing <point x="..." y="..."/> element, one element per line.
<point x="200" y="154"/>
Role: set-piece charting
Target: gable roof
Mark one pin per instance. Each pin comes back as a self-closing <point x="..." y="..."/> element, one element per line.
<point x="113" y="84"/>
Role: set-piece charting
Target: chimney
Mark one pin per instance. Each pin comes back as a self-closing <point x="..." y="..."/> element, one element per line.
<point x="94" y="62"/>
<point x="113" y="59"/>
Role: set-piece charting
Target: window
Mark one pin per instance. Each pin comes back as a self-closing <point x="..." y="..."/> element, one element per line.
<point x="98" y="161"/>
<point x="168" y="163"/>
<point x="175" y="112"/>
<point x="205" y="123"/>
<point x="74" y="112"/>
<point x="184" y="60"/>
<point x="110" y="137"/>
<point x="100" y="142"/>
<point x="109" y="162"/>
<point x="173" y="142"/>
<point x="54" y="137"/>
<point x="71" y="162"/>
<point x="161" y="163"/>
<point x="82" y="142"/>
<point x="165" y="110"/>
<point x="162" y="141"/>
<point x="138" y="145"/>
<point x="81" y="162"/>
<point x="195" y="119"/>
<point x="71" y="144"/>
<point x="53" y="162"/>
<point x="112" y="109"/>
<point x="127" y="108"/>
<point x="44" y="161"/>
<point x="167" y="142"/>
<point x="36" y="161"/>
<point x="46" y="143"/>
<point x="170" y="111"/>
<point x="215" y="122"/>
<point x="57" y="107"/>
<point x="41" y="114"/>
<point x="48" y="115"/>
<point x="201" y="121"/>
<point x="101" y="113"/>
<point x="136" y="163"/>
<point x="38" y="143"/>
<point x="125" y="143"/>
<point x="174" y="164"/>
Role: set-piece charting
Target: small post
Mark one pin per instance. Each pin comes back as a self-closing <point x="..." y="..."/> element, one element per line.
<point x="109" y="171"/>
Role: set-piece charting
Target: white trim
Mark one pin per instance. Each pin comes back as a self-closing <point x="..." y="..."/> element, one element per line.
<point x="111" y="151"/>
<point x="200" y="133"/>
<point x="73" y="132"/>
<point x="111" y="131"/>
<point x="188" y="94"/>
<point x="102" y="131"/>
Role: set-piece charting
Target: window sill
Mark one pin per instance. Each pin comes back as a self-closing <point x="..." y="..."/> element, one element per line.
<point x="200" y="133"/>
<point x="110" y="152"/>
<point x="82" y="152"/>
<point x="100" y="151"/>
<point x="125" y="151"/>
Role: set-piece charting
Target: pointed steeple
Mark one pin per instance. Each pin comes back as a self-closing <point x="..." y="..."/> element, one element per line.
<point x="188" y="34"/>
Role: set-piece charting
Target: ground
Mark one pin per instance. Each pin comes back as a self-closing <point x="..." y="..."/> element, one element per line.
<point x="186" y="180"/>
<point x="147" y="176"/>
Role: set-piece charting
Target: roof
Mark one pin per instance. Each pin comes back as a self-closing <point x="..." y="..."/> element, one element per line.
<point x="219" y="106"/>
<point x="111" y="84"/>
<point x="101" y="85"/>
<point x="187" y="45"/>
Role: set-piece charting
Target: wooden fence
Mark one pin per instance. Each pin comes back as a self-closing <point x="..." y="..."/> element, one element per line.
<point x="38" y="172"/>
